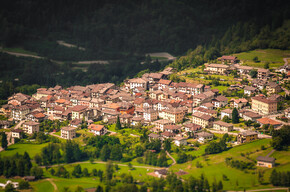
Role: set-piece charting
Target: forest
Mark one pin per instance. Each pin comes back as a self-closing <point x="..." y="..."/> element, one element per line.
<point x="124" y="32"/>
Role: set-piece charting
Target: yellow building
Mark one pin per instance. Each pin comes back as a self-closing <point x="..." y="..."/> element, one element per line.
<point x="217" y="68"/>
<point x="202" y="119"/>
<point x="174" y="115"/>
<point x="68" y="132"/>
<point x="263" y="105"/>
<point x="247" y="136"/>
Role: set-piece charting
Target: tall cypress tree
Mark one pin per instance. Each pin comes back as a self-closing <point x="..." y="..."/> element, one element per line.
<point x="4" y="142"/>
<point x="235" y="115"/>
<point x="118" y="124"/>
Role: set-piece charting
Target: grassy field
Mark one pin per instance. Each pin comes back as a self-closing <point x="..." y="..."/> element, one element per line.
<point x="273" y="56"/>
<point x="42" y="185"/>
<point x="214" y="166"/>
<point x="32" y="149"/>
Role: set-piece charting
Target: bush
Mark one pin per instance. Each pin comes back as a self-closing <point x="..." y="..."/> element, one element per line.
<point x="24" y="185"/>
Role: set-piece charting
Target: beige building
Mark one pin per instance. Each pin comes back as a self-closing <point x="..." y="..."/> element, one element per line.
<point x="223" y="126"/>
<point x="217" y="68"/>
<point x="202" y="119"/>
<point x="31" y="127"/>
<point x="174" y="115"/>
<point x="263" y="105"/>
<point x="80" y="112"/>
<point x="161" y="123"/>
<point x="68" y="132"/>
<point x="268" y="162"/>
<point x="247" y="136"/>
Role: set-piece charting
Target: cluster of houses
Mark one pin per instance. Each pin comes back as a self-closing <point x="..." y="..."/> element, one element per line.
<point x="173" y="110"/>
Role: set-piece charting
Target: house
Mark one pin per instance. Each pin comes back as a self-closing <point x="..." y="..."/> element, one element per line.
<point x="16" y="133"/>
<point x="249" y="115"/>
<point x="247" y="136"/>
<point x="192" y="128"/>
<point x="242" y="70"/>
<point x="168" y="135"/>
<point x="161" y="123"/>
<point x="249" y="90"/>
<point x="161" y="173"/>
<point x="68" y="132"/>
<point x="226" y="112"/>
<point x="31" y="127"/>
<point x="273" y="88"/>
<point x="222" y="126"/>
<point x="172" y="128"/>
<point x="78" y="111"/>
<point x="153" y="136"/>
<point x="263" y="161"/>
<point x="163" y="84"/>
<point x="4" y="124"/>
<point x="259" y="83"/>
<point x="202" y="119"/>
<point x="264" y="105"/>
<point x="228" y="59"/>
<point x="263" y="73"/>
<point x="204" y="97"/>
<point x="150" y="114"/>
<point x="179" y="141"/>
<point x="204" y="136"/>
<point x="268" y="121"/>
<point x="125" y="119"/>
<point x="137" y="120"/>
<point x="207" y="106"/>
<point x="220" y="101"/>
<point x="18" y="99"/>
<point x="19" y="113"/>
<point x="97" y="129"/>
<point x="217" y="68"/>
<point x="138" y="82"/>
<point x="238" y="103"/>
<point x="174" y="115"/>
<point x="14" y="184"/>
<point x="205" y="111"/>
<point x="276" y="97"/>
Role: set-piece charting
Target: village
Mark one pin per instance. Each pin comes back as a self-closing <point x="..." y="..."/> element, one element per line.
<point x="171" y="110"/>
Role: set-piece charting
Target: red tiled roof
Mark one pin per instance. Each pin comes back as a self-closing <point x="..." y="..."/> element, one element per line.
<point x="266" y="120"/>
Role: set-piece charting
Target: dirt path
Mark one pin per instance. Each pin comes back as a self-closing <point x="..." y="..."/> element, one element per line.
<point x="286" y="60"/>
<point x="53" y="184"/>
<point x="22" y="54"/>
<point x="174" y="162"/>
<point x="270" y="153"/>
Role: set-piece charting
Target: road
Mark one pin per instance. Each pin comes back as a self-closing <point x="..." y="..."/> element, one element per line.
<point x="268" y="189"/>
<point x="103" y="162"/>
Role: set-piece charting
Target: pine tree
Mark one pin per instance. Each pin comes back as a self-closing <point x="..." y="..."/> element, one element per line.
<point x="118" y="124"/>
<point x="4" y="142"/>
<point x="274" y="178"/>
<point x="235" y="118"/>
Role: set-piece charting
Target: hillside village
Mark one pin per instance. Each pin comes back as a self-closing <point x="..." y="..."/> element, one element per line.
<point x="182" y="113"/>
<point x="176" y="110"/>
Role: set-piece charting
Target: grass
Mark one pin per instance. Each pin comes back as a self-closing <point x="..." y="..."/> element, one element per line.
<point x="32" y="149"/>
<point x="273" y="56"/>
<point x="42" y="185"/>
<point x="214" y="166"/>
<point x="220" y="88"/>
<point x="19" y="50"/>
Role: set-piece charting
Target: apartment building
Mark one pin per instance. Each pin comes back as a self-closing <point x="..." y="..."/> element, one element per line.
<point x="264" y="105"/>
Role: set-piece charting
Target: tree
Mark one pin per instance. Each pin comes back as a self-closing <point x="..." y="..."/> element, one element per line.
<point x="116" y="153"/>
<point x="9" y="188"/>
<point x="77" y="172"/>
<point x="4" y="142"/>
<point x="226" y="119"/>
<point x="24" y="185"/>
<point x="105" y="153"/>
<point x="167" y="145"/>
<point x="99" y="189"/>
<point x="235" y="116"/>
<point x="266" y="65"/>
<point x="118" y="124"/>
<point x="253" y="73"/>
<point x="37" y="172"/>
<point x="109" y="171"/>
<point x="139" y="151"/>
<point x="85" y="172"/>
<point x="256" y="59"/>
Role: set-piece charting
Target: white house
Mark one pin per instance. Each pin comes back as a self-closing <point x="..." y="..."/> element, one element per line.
<point x="179" y="141"/>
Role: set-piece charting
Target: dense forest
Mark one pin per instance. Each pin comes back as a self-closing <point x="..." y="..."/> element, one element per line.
<point x="124" y="32"/>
